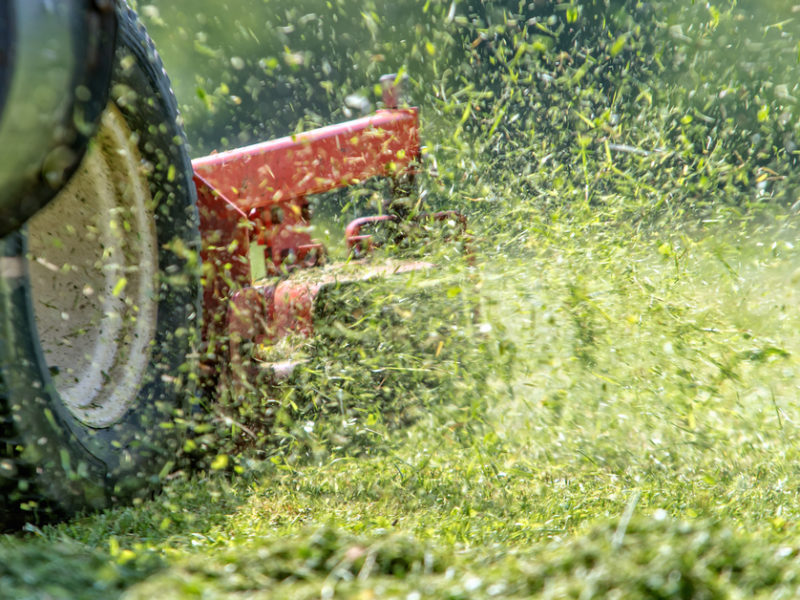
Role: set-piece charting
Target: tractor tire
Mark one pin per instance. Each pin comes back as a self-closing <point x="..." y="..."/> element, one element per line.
<point x="99" y="307"/>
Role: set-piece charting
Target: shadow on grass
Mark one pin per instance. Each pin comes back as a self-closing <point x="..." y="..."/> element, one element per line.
<point x="101" y="555"/>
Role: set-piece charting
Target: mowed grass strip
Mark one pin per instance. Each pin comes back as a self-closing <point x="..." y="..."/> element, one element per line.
<point x="638" y="434"/>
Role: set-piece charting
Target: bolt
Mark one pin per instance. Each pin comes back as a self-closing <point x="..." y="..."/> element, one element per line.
<point x="103" y="5"/>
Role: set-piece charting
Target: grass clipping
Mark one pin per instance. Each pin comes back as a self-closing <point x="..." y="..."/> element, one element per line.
<point x="641" y="558"/>
<point x="387" y="347"/>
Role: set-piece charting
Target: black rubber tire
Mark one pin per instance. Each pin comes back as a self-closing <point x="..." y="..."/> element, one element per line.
<point x="51" y="464"/>
<point x="93" y="26"/>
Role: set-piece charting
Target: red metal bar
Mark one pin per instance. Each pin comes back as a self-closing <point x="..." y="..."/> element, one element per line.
<point x="362" y="244"/>
<point x="225" y="239"/>
<point x="317" y="161"/>
<point x="269" y="182"/>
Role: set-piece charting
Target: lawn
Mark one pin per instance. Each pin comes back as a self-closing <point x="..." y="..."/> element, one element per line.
<point x="636" y="436"/>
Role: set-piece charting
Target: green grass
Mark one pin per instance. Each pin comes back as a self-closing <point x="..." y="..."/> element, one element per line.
<point x="637" y="433"/>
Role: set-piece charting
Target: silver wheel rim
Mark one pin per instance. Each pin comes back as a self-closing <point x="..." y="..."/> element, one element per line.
<point x="93" y="262"/>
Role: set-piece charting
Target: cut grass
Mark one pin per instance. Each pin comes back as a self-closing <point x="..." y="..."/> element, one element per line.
<point x="639" y="435"/>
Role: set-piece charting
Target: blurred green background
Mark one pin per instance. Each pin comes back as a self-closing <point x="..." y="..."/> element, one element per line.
<point x="250" y="70"/>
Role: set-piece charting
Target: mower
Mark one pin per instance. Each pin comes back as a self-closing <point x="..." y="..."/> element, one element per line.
<point x="129" y="273"/>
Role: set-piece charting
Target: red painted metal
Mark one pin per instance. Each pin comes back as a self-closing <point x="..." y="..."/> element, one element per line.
<point x="313" y="162"/>
<point x="225" y="248"/>
<point x="268" y="312"/>
<point x="361" y="244"/>
<point x="257" y="195"/>
<point x="269" y="182"/>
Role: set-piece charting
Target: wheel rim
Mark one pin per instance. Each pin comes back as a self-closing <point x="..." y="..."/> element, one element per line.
<point x="93" y="270"/>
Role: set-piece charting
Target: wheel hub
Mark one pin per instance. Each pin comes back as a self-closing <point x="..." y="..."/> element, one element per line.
<point x="93" y="271"/>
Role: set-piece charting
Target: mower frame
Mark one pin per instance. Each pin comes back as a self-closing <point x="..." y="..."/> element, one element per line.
<point x="257" y="196"/>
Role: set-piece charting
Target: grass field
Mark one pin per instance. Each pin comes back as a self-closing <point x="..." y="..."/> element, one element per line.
<point x="636" y="438"/>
